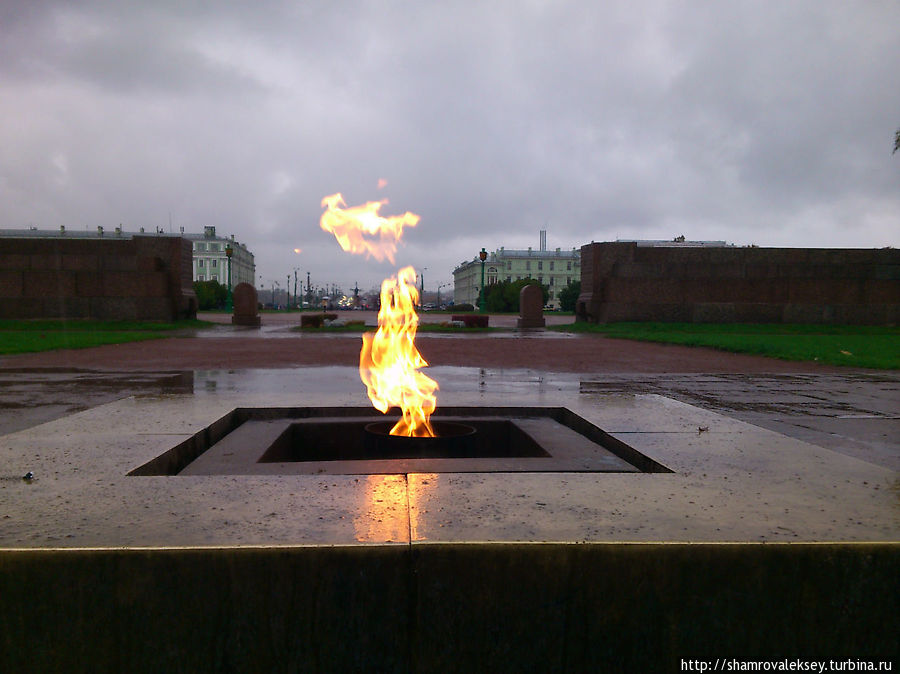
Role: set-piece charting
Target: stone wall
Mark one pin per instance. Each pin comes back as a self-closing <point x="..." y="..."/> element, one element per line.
<point x="140" y="278"/>
<point x="628" y="282"/>
<point x="439" y="607"/>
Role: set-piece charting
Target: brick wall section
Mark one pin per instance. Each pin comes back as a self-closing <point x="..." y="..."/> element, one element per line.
<point x="627" y="282"/>
<point x="142" y="278"/>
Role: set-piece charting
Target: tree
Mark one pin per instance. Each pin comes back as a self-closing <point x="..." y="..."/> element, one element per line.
<point x="568" y="296"/>
<point x="503" y="296"/>
<point x="210" y="294"/>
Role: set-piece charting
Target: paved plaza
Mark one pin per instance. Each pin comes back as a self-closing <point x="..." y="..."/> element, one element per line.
<point x="767" y="527"/>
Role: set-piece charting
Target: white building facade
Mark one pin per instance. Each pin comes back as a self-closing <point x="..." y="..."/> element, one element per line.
<point x="554" y="268"/>
<point x="210" y="261"/>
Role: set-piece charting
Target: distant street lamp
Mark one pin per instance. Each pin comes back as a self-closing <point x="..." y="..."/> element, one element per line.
<point x="229" y="251"/>
<point x="442" y="285"/>
<point x="482" y="256"/>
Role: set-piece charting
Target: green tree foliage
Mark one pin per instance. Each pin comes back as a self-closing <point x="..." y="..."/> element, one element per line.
<point x="504" y="295"/>
<point x="569" y="295"/>
<point x="210" y="294"/>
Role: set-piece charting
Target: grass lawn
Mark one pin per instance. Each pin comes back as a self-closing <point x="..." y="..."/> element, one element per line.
<point x="865" y="346"/>
<point x="17" y="336"/>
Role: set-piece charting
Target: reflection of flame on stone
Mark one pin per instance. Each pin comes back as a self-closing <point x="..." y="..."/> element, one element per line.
<point x="383" y="513"/>
<point x="419" y="498"/>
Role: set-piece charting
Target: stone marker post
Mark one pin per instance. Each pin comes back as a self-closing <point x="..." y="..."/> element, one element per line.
<point x="531" y="308"/>
<point x="246" y="306"/>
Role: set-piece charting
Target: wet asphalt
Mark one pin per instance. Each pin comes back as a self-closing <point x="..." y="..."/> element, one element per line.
<point x="856" y="413"/>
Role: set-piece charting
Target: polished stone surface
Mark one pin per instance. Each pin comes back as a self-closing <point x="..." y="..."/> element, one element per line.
<point x="732" y="481"/>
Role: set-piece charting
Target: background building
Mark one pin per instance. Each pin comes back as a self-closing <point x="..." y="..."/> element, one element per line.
<point x="211" y="263"/>
<point x="554" y="268"/>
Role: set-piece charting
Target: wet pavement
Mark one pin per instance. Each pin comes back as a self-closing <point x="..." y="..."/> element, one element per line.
<point x="35" y="396"/>
<point x="805" y="517"/>
<point x="729" y="480"/>
<point x="856" y="414"/>
<point x="853" y="412"/>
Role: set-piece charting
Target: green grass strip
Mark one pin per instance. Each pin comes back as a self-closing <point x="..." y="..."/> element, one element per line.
<point x="92" y="325"/>
<point x="32" y="341"/>
<point x="31" y="336"/>
<point x="865" y="346"/>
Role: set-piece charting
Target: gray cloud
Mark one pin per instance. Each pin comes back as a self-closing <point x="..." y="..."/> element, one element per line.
<point x="755" y="122"/>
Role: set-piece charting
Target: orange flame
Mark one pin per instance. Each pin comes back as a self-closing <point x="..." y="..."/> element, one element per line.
<point x="352" y="226"/>
<point x="389" y="361"/>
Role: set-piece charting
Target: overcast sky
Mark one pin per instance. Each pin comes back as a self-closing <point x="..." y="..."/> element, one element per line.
<point x="767" y="123"/>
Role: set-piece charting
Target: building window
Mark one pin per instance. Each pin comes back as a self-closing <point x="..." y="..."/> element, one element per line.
<point x="509" y="265"/>
<point x="509" y="279"/>
<point x="214" y="246"/>
<point x="527" y="265"/>
<point x="215" y="263"/>
<point x="541" y="280"/>
<point x="551" y="265"/>
<point x="200" y="246"/>
<point x="540" y="265"/>
<point x="214" y="277"/>
<point x="552" y="279"/>
<point x="201" y="278"/>
<point x="568" y="266"/>
<point x="199" y="263"/>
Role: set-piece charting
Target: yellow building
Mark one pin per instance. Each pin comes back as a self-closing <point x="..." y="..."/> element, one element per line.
<point x="554" y="268"/>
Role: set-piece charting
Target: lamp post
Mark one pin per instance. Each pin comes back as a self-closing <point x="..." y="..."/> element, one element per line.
<point x="442" y="285"/>
<point x="229" y="251"/>
<point x="482" y="256"/>
<point x="296" y="269"/>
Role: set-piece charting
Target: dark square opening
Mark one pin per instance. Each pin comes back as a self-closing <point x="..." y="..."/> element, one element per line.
<point x="314" y="440"/>
<point x="340" y="440"/>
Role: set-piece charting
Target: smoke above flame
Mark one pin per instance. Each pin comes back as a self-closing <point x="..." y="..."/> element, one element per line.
<point x="361" y="229"/>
